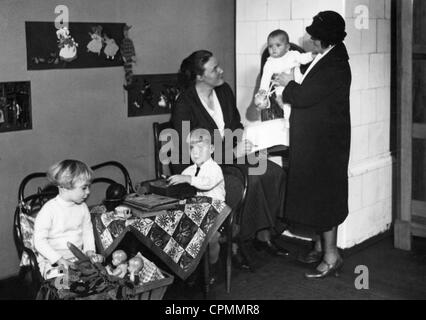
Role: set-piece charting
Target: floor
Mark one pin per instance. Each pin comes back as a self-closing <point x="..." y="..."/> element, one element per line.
<point x="392" y="274"/>
<point x="387" y="274"/>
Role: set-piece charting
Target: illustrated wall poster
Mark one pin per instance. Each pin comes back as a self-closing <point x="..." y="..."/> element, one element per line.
<point x="15" y="106"/>
<point x="80" y="45"/>
<point x="152" y="94"/>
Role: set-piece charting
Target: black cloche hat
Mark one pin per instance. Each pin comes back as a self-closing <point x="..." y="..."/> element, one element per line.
<point x="328" y="26"/>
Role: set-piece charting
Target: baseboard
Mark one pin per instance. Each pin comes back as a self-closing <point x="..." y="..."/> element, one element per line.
<point x="367" y="243"/>
<point x="348" y="251"/>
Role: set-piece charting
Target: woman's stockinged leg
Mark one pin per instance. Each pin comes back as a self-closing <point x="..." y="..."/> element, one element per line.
<point x="318" y="243"/>
<point x="331" y="253"/>
<point x="332" y="262"/>
<point x="214" y="248"/>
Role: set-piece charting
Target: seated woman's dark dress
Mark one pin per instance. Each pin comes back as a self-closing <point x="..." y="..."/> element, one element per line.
<point x="265" y="197"/>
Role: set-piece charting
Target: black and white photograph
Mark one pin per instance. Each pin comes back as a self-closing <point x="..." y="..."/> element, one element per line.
<point x="288" y="138"/>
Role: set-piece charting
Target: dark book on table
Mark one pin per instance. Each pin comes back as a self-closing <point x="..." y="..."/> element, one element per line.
<point x="181" y="191"/>
<point x="150" y="201"/>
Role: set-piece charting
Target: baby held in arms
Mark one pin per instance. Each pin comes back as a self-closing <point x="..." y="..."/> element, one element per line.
<point x="281" y="59"/>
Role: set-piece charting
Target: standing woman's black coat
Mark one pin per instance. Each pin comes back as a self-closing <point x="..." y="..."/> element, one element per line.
<point x="320" y="133"/>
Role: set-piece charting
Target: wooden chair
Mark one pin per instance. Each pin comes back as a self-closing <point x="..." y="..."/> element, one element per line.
<point x="236" y="190"/>
<point x="236" y="184"/>
<point x="30" y="203"/>
<point x="23" y="224"/>
<point x="160" y="168"/>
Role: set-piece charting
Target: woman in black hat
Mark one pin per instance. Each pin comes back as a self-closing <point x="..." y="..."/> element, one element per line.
<point x="320" y="129"/>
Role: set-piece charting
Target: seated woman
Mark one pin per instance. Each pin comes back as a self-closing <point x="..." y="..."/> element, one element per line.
<point x="208" y="102"/>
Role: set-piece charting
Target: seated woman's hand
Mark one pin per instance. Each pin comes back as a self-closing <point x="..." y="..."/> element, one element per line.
<point x="179" y="178"/>
<point x="244" y="147"/>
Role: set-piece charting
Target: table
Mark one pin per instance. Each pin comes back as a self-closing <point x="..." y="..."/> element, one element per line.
<point x="178" y="237"/>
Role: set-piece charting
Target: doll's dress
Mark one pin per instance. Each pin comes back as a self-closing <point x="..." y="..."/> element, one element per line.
<point x="111" y="48"/>
<point x="68" y="53"/>
<point x="95" y="45"/>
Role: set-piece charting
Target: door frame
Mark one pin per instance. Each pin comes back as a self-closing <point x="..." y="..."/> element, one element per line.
<point x="410" y="214"/>
<point x="404" y="84"/>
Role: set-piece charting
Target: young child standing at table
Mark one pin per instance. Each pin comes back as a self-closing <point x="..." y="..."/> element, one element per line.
<point x="281" y="59"/>
<point x="65" y="218"/>
<point x="205" y="175"/>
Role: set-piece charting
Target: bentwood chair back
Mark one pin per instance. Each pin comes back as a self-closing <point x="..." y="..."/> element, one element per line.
<point x="160" y="168"/>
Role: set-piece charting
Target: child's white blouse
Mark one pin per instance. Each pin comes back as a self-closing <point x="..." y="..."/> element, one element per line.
<point x="57" y="223"/>
<point x="209" y="181"/>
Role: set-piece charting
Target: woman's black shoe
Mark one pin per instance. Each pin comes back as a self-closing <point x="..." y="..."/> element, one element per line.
<point x="270" y="247"/>
<point x="331" y="269"/>
<point x="312" y="256"/>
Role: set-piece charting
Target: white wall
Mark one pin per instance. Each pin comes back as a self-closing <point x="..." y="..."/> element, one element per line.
<point x="82" y="113"/>
<point x="370" y="171"/>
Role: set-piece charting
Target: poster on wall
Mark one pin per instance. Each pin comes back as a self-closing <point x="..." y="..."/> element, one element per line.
<point x="15" y="106"/>
<point x="80" y="45"/>
<point x="152" y="94"/>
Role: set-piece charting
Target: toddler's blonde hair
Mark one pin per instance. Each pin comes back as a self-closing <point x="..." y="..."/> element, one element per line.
<point x="67" y="173"/>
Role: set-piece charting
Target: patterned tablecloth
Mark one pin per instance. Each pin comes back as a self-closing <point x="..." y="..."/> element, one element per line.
<point x="178" y="237"/>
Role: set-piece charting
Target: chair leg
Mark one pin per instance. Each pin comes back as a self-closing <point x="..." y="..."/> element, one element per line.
<point x="229" y="258"/>
<point x="206" y="273"/>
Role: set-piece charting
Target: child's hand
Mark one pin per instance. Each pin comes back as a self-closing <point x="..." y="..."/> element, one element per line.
<point x="65" y="263"/>
<point x="95" y="258"/>
<point x="179" y="178"/>
<point x="243" y="148"/>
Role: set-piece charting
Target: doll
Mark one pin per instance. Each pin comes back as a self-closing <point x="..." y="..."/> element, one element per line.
<point x="67" y="45"/>
<point x="135" y="266"/>
<point x="127" y="50"/>
<point x="119" y="258"/>
<point x="111" y="47"/>
<point x="95" y="45"/>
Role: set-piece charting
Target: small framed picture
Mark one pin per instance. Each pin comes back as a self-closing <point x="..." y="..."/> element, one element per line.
<point x="15" y="106"/>
<point x="152" y="94"/>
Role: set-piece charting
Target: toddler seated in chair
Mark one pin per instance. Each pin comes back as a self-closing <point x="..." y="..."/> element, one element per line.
<point x="65" y="218"/>
<point x="205" y="175"/>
